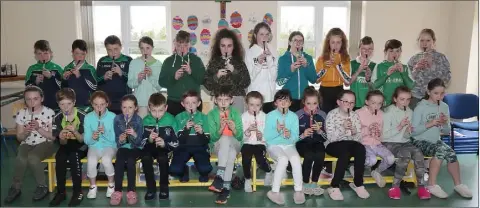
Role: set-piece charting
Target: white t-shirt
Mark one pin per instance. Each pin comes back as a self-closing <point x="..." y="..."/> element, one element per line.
<point x="44" y="119"/>
<point x="247" y="121"/>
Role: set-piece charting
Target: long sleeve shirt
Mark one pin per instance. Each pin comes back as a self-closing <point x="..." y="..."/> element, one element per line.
<point x="335" y="130"/>
<point x="392" y="117"/>
<point x="275" y="137"/>
<point x="91" y="124"/>
<point x="238" y="80"/>
<point x="425" y="112"/>
<point x="146" y="87"/>
<point x="247" y="120"/>
<point x="388" y="83"/>
<point x="263" y="76"/>
<point x="371" y="125"/>
<point x="121" y="126"/>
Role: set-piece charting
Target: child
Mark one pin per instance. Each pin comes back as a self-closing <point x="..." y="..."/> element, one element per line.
<point x="390" y="74"/>
<point x="128" y="128"/>
<point x="99" y="135"/>
<point x="68" y="130"/>
<point x="34" y="132"/>
<point x="80" y="76"/>
<point x="180" y="73"/>
<point x="397" y="128"/>
<point x="430" y="118"/>
<point x="262" y="65"/>
<point x="159" y="127"/>
<point x="225" y="124"/>
<point x="112" y="73"/>
<point x="143" y="75"/>
<point x="45" y="73"/>
<point x="296" y="69"/>
<point x="281" y="134"/>
<point x="253" y="121"/>
<point x="362" y="68"/>
<point x="427" y="65"/>
<point x="343" y="142"/>
<point x="312" y="137"/>
<point x="371" y="121"/>
<point x="193" y="136"/>
<point x="226" y="68"/>
<point x="333" y="68"/>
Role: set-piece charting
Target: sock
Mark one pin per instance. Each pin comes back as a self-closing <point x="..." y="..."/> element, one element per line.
<point x="226" y="185"/>
<point x="93" y="186"/>
<point x="111" y="184"/>
<point x="221" y="171"/>
<point x="306" y="185"/>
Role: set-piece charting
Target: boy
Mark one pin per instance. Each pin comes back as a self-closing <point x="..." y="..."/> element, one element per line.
<point x="45" y="73"/>
<point x="159" y="129"/>
<point x="180" y="73"/>
<point x="80" y="76"/>
<point x="362" y="68"/>
<point x="112" y="73"/>
<point x="193" y="136"/>
<point x="68" y="129"/>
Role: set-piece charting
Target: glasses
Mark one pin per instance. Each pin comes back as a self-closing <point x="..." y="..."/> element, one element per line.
<point x="347" y="103"/>
<point x="298" y="42"/>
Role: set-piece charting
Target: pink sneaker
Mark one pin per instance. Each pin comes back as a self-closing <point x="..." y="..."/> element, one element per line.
<point x="394" y="193"/>
<point x="423" y="193"/>
<point x="116" y="198"/>
<point x="131" y="197"/>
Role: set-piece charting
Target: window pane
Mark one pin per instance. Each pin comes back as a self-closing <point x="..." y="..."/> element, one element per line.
<point x="159" y="51"/>
<point x="293" y="18"/>
<point x="106" y="21"/>
<point x="148" y="21"/>
<point x="335" y="17"/>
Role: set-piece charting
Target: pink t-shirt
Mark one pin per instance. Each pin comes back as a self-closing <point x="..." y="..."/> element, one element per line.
<point x="371" y="126"/>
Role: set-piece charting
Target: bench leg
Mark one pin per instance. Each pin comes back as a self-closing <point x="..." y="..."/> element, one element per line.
<point x="411" y="171"/>
<point x="51" y="177"/>
<point x="254" y="175"/>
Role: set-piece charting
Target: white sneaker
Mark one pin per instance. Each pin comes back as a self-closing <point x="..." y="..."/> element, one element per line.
<point x="268" y="179"/>
<point x="316" y="190"/>
<point x="378" y="178"/>
<point x="361" y="191"/>
<point x="437" y="191"/>
<point x="335" y="194"/>
<point x="92" y="193"/>
<point x="463" y="190"/>
<point x="110" y="191"/>
<point x="425" y="177"/>
<point x="352" y="170"/>
<point x="248" y="185"/>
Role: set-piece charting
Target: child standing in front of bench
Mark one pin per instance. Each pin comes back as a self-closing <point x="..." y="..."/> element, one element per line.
<point x="128" y="128"/>
<point x="100" y="138"/>
<point x="226" y="129"/>
<point x="68" y="129"/>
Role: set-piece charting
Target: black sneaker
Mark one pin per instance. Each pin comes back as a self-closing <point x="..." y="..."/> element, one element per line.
<point x="40" y="192"/>
<point x="203" y="178"/>
<point x="150" y="195"/>
<point x="76" y="199"/>
<point x="223" y="196"/>
<point x="217" y="184"/>
<point x="164" y="193"/>
<point x="13" y="194"/>
<point x="57" y="199"/>
<point x="186" y="175"/>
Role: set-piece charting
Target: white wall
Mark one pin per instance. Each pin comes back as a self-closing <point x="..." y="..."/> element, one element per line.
<point x="472" y="82"/>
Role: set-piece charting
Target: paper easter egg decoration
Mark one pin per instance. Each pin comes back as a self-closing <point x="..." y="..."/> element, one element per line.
<point x="206" y="20"/>
<point x="268" y="18"/>
<point x="193" y="38"/>
<point x="205" y="36"/>
<point x="239" y="34"/>
<point x="193" y="50"/>
<point x="192" y="22"/>
<point x="222" y="23"/>
<point x="177" y="23"/>
<point x="250" y="34"/>
<point x="236" y="20"/>
<point x="252" y="19"/>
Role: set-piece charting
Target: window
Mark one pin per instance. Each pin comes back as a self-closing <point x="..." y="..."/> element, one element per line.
<point x="131" y="20"/>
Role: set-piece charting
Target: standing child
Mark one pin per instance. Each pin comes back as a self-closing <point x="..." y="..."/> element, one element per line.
<point x="362" y="68"/>
<point x="159" y="127"/>
<point x="181" y="72"/>
<point x="225" y="124"/>
<point x="312" y="137"/>
<point x="390" y="74"/>
<point x="397" y="128"/>
<point x="80" y="76"/>
<point x="45" y="73"/>
<point x="143" y="75"/>
<point x="100" y="138"/>
<point x="128" y="128"/>
<point x="253" y="121"/>
<point x="68" y="129"/>
<point x="431" y="117"/>
<point x="281" y="134"/>
<point x="112" y="73"/>
<point x="371" y="121"/>
<point x="296" y="69"/>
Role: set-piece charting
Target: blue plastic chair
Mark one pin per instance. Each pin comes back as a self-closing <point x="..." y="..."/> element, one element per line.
<point x="462" y="106"/>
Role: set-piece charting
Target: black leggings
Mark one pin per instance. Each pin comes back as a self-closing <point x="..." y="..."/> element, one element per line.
<point x="126" y="158"/>
<point x="329" y="95"/>
<point x="343" y="151"/>
<point x="312" y="153"/>
<point x="248" y="151"/>
<point x="73" y="157"/>
<point x="147" y="163"/>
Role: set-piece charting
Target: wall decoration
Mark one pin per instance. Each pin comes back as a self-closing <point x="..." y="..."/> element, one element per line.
<point x="193" y="38"/>
<point x="268" y="18"/>
<point x="206" y="20"/>
<point x="223" y="7"/>
<point x="236" y="20"/>
<point x="192" y="22"/>
<point x="252" y="19"/>
<point x="205" y="36"/>
<point x="250" y="34"/>
<point x="193" y="50"/>
<point x="177" y="23"/>
<point x="222" y="23"/>
<point x="239" y="34"/>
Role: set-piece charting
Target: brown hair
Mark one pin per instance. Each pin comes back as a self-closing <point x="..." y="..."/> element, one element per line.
<point x="112" y="40"/>
<point x="33" y="88"/>
<point x="429" y="32"/>
<point x="157" y="99"/>
<point x="367" y="40"/>
<point x="238" y="51"/>
<point x="146" y="40"/>
<point x="254" y="94"/>
<point x="192" y="93"/>
<point x="437" y="82"/>
<point x="255" y="31"/>
<point x="42" y="45"/>
<point x="399" y="90"/>
<point x="310" y="91"/>
<point x="374" y="93"/>
<point x="130" y="97"/>
<point x="65" y="94"/>
<point x="182" y="37"/>
<point x="99" y="94"/>
<point x="343" y="49"/>
<point x="392" y="44"/>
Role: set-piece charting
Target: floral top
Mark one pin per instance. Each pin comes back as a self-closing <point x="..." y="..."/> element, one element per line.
<point x="335" y="130"/>
<point x="44" y="119"/>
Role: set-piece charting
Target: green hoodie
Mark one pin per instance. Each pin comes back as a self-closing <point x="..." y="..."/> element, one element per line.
<point x="176" y="88"/>
<point x="165" y="125"/>
<point x="214" y="118"/>
<point x="387" y="84"/>
<point x="360" y="87"/>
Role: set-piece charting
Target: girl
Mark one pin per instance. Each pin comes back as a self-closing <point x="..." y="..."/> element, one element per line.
<point x="312" y="137"/>
<point x="371" y="122"/>
<point x="262" y="65"/>
<point x="295" y="69"/>
<point x="397" y="128"/>
<point x="281" y="134"/>
<point x="333" y="67"/>
<point x="143" y="75"/>
<point x="34" y="132"/>
<point x="390" y="74"/>
<point x="226" y="133"/>
<point x="100" y="138"/>
<point x="430" y="118"/>
<point x="343" y="142"/>
<point x="427" y="64"/>
<point x="362" y="68"/>
<point x="254" y="141"/>
<point x="128" y="135"/>
<point x="226" y="68"/>
<point x="68" y="128"/>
